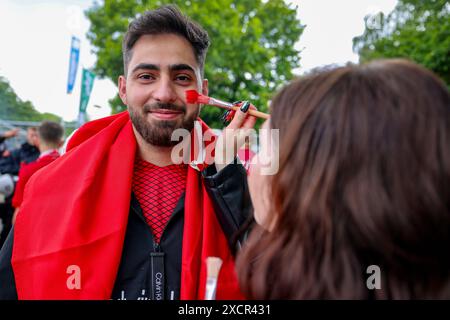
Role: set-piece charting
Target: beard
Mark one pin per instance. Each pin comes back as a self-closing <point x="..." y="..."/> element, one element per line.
<point x="159" y="132"/>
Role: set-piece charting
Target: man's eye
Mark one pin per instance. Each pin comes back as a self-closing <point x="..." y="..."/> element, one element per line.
<point x="183" y="78"/>
<point x="146" y="76"/>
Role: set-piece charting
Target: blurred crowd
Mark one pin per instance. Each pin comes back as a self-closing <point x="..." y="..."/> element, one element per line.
<point x="21" y="163"/>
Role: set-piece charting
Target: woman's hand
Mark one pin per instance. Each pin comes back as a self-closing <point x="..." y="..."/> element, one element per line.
<point x="233" y="136"/>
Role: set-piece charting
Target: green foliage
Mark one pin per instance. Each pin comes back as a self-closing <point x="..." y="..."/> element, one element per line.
<point x="251" y="55"/>
<point x="13" y="108"/>
<point x="415" y="29"/>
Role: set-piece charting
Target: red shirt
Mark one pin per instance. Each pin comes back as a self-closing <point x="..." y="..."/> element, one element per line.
<point x="158" y="190"/>
<point x="27" y="170"/>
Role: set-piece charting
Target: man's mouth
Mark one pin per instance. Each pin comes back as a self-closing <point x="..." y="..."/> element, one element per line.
<point x="165" y="114"/>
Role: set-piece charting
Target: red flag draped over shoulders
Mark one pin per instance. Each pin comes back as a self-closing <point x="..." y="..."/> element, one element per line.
<point x="74" y="215"/>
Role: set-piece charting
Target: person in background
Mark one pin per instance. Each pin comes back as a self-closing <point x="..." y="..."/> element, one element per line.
<point x="360" y="205"/>
<point x="4" y="152"/>
<point x="50" y="139"/>
<point x="9" y="166"/>
<point x="28" y="152"/>
<point x="8" y="134"/>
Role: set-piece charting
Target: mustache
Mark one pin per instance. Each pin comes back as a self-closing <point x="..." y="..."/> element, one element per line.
<point x="165" y="106"/>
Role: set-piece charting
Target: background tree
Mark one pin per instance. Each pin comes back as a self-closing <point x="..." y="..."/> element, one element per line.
<point x="13" y="108"/>
<point x="251" y="55"/>
<point x="415" y="29"/>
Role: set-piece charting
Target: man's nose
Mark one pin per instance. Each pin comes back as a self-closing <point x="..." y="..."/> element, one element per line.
<point x="165" y="92"/>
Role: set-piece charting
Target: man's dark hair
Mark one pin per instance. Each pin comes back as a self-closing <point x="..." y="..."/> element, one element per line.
<point x="166" y="20"/>
<point x="51" y="133"/>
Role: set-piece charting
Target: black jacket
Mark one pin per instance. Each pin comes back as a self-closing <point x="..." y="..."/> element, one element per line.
<point x="229" y="193"/>
<point x="26" y="153"/>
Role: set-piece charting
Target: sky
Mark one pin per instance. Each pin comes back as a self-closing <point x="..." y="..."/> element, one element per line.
<point x="35" y="46"/>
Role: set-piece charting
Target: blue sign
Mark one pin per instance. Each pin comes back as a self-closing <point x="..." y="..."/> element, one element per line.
<point x="73" y="64"/>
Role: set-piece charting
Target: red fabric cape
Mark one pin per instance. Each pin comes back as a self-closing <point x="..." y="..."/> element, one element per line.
<point x="74" y="215"/>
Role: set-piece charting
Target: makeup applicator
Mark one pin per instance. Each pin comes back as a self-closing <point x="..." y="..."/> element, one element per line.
<point x="213" y="265"/>
<point x="192" y="96"/>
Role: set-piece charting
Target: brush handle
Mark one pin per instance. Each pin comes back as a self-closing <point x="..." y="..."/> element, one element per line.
<point x="255" y="113"/>
<point x="211" y="287"/>
<point x="227" y="105"/>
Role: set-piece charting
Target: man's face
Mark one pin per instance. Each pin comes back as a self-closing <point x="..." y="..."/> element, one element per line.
<point x="32" y="137"/>
<point x="161" y="69"/>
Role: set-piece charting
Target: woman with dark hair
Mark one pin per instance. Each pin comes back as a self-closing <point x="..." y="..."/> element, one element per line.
<point x="363" y="185"/>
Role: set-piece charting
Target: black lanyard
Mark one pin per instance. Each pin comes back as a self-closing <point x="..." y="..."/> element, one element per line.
<point x="157" y="275"/>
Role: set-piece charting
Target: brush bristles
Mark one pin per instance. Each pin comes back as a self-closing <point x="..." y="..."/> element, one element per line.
<point x="193" y="96"/>
<point x="213" y="265"/>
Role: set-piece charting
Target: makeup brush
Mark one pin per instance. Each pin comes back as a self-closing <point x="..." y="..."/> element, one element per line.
<point x="213" y="265"/>
<point x="192" y="96"/>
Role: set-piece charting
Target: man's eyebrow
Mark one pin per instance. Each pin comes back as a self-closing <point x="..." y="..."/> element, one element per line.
<point x="145" y="66"/>
<point x="181" y="67"/>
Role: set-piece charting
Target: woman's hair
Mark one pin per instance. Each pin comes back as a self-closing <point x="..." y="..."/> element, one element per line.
<point x="364" y="179"/>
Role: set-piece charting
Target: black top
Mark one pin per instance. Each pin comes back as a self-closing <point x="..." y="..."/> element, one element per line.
<point x="26" y="153"/>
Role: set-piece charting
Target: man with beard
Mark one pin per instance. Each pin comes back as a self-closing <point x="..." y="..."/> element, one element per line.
<point x="116" y="217"/>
